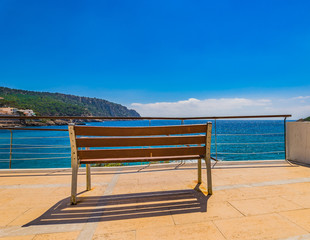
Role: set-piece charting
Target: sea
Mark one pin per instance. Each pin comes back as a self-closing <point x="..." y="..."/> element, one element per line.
<point x="232" y="140"/>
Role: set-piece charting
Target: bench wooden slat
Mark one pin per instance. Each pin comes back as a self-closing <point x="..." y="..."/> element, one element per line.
<point x="140" y="141"/>
<point x="140" y="159"/>
<point x="138" y="131"/>
<point x="140" y="152"/>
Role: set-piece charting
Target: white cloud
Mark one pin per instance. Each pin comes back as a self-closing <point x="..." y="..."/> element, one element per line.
<point x="301" y="97"/>
<point x="196" y="107"/>
<point x="224" y="107"/>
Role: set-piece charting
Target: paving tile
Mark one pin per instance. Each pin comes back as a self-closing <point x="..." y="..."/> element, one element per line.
<point x="30" y="197"/>
<point x="219" y="210"/>
<point x="22" y="180"/>
<point x="300" y="199"/>
<point x="296" y="188"/>
<point x="258" y="206"/>
<point x="133" y="224"/>
<point x="230" y="180"/>
<point x="269" y="226"/>
<point x="5" y="199"/>
<point x="57" y="236"/>
<point x="276" y="190"/>
<point x="203" y="231"/>
<point x="259" y="192"/>
<point x="125" y="185"/>
<point x="10" y="214"/>
<point x="225" y="195"/>
<point x="28" y="216"/>
<point x="300" y="217"/>
<point x="146" y="188"/>
<point x="28" y="237"/>
<point x="130" y="235"/>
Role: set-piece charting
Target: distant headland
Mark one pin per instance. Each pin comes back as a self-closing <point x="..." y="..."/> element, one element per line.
<point x="14" y="102"/>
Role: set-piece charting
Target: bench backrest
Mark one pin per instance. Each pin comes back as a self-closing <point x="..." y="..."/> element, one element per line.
<point x="89" y="142"/>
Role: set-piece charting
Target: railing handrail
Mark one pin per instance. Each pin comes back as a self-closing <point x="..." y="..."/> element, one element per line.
<point x="35" y="129"/>
<point x="143" y="118"/>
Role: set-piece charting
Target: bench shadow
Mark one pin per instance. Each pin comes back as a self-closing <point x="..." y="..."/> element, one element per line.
<point x="124" y="206"/>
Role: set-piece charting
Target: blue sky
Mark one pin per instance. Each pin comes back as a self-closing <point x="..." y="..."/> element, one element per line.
<point x="140" y="53"/>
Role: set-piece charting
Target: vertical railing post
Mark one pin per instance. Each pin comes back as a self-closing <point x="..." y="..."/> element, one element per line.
<point x="182" y="123"/>
<point x="285" y="139"/>
<point x="11" y="147"/>
<point x="215" y="140"/>
<point x="147" y="147"/>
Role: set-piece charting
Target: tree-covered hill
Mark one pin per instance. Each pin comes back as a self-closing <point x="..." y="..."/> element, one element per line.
<point x="58" y="104"/>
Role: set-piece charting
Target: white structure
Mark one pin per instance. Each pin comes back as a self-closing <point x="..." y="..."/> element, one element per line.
<point x="15" y="111"/>
<point x="27" y="112"/>
<point x="298" y="141"/>
<point x="8" y="111"/>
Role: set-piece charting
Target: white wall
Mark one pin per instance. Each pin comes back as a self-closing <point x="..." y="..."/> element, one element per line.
<point x="298" y="141"/>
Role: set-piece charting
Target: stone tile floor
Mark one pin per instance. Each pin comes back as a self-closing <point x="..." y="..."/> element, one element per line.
<point x="251" y="200"/>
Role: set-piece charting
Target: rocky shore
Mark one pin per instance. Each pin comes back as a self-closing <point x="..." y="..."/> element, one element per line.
<point x="45" y="122"/>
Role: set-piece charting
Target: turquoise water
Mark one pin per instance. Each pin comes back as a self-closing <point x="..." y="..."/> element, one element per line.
<point x="236" y="140"/>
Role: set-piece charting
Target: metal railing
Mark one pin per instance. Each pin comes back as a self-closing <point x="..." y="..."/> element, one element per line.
<point x="216" y="144"/>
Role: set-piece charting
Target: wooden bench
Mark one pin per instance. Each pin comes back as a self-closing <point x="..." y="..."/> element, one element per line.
<point x="138" y="144"/>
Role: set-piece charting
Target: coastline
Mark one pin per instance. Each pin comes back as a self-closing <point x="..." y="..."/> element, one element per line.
<point x="49" y="122"/>
<point x="41" y="123"/>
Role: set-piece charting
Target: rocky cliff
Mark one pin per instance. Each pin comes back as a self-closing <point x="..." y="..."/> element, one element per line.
<point x="58" y="104"/>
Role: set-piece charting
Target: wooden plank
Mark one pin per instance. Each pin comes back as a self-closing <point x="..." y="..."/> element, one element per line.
<point x="139" y="131"/>
<point x="140" y="152"/>
<point x="140" y="159"/>
<point x="139" y="141"/>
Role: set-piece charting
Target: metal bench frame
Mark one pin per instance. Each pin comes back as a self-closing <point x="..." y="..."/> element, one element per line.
<point x="186" y="144"/>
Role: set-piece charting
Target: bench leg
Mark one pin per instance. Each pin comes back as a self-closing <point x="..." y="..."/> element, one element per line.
<point x="75" y="169"/>
<point x="88" y="179"/>
<point x="199" y="171"/>
<point x="209" y="179"/>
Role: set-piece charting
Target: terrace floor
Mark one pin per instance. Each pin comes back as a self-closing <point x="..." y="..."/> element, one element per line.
<point x="254" y="200"/>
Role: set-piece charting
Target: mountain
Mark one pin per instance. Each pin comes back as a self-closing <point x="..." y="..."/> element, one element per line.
<point x="58" y="104"/>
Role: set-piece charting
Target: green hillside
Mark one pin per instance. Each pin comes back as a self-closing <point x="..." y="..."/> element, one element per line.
<point x="57" y="104"/>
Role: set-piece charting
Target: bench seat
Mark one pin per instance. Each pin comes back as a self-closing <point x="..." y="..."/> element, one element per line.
<point x="91" y="145"/>
<point x="140" y="159"/>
